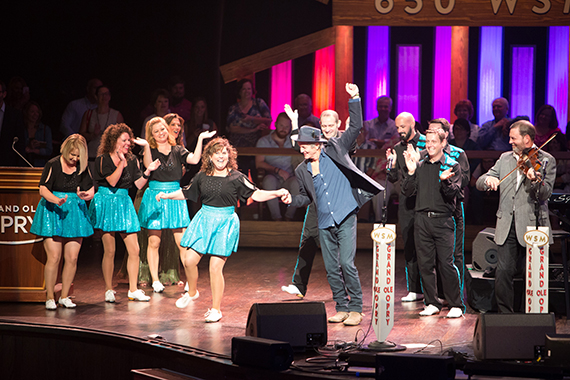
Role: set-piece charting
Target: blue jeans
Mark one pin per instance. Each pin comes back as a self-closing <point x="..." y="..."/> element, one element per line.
<point x="338" y="245"/>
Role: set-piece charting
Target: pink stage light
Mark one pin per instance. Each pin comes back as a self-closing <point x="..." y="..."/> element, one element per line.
<point x="323" y="80"/>
<point x="557" y="78"/>
<point x="377" y="68"/>
<point x="442" y="73"/>
<point x="281" y="83"/>
<point x="490" y="70"/>
<point x="522" y="82"/>
<point x="408" y="99"/>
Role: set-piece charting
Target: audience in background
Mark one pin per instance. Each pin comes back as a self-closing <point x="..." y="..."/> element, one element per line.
<point x="382" y="129"/>
<point x="161" y="104"/>
<point x="95" y="121"/>
<point x="304" y="106"/>
<point x="18" y="93"/>
<point x="546" y="124"/>
<point x="11" y="132"/>
<point x="279" y="172"/>
<point x="494" y="134"/>
<point x="73" y="114"/>
<point x="464" y="110"/>
<point x="247" y="119"/>
<point x="178" y="103"/>
<point x="38" y="137"/>
<point x="198" y="122"/>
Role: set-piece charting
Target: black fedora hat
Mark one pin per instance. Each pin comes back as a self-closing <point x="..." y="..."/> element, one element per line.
<point x="309" y="134"/>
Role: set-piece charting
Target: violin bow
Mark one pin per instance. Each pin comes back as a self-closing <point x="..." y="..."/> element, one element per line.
<point x="539" y="148"/>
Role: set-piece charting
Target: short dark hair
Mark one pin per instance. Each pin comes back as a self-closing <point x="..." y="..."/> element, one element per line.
<point x="441" y="121"/>
<point x="464" y="124"/>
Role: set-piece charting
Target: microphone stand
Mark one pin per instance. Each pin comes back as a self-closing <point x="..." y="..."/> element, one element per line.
<point x="18" y="153"/>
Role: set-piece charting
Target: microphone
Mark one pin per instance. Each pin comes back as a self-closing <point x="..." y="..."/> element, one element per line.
<point x="18" y="153"/>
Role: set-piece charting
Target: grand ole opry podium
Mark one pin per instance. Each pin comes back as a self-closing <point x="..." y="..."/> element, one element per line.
<point x="22" y="255"/>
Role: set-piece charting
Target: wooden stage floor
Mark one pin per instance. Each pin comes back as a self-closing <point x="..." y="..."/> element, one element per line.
<point x="252" y="275"/>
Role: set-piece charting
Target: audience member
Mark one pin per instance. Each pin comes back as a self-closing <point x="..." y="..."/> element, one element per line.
<point x="546" y="124"/>
<point x="198" y="122"/>
<point x="464" y="110"/>
<point x="161" y="103"/>
<point x="382" y="128"/>
<point x="246" y="120"/>
<point x="95" y="121"/>
<point x="73" y="114"/>
<point x="38" y="138"/>
<point x="304" y="105"/>
<point x="494" y="134"/>
<point x="464" y="141"/>
<point x="18" y="93"/>
<point x="178" y="103"/>
<point x="11" y="132"/>
<point x="279" y="170"/>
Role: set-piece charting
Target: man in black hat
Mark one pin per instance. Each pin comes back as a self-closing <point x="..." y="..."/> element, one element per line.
<point x="338" y="189"/>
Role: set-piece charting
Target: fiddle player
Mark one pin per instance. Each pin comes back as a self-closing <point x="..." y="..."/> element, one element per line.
<point x="519" y="192"/>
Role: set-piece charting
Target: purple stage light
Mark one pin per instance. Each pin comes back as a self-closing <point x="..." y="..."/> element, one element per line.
<point x="377" y="68"/>
<point x="490" y="70"/>
<point x="442" y="73"/>
<point x="408" y="98"/>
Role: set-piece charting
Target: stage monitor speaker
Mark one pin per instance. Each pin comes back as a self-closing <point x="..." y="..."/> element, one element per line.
<point x="484" y="250"/>
<point x="511" y="336"/>
<point x="262" y="353"/>
<point x="557" y="348"/>
<point x="302" y="324"/>
<point x="414" y="366"/>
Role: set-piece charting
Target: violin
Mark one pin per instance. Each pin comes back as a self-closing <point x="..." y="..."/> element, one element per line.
<point x="529" y="159"/>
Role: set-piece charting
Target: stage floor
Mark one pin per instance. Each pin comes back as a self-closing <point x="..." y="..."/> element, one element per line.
<point x="252" y="275"/>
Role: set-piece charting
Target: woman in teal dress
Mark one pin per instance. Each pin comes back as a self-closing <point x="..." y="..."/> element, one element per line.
<point x="214" y="230"/>
<point x="112" y="210"/>
<point x="62" y="216"/>
<point x="172" y="214"/>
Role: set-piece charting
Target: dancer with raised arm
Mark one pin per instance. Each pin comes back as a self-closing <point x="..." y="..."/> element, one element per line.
<point x="172" y="214"/>
<point x="214" y="230"/>
<point x="112" y="210"/>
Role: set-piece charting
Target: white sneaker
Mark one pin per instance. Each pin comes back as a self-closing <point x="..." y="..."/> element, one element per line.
<point x="429" y="310"/>
<point x="110" y="296"/>
<point x="292" y="289"/>
<point x="411" y="297"/>
<point x="183" y="301"/>
<point x="157" y="287"/>
<point x="138" y="295"/>
<point x="213" y="315"/>
<point x="66" y="302"/>
<point x="454" y="312"/>
<point x="50" y="304"/>
<point x="186" y="288"/>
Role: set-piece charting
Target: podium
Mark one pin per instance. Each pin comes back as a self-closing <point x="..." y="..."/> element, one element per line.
<point x="22" y="255"/>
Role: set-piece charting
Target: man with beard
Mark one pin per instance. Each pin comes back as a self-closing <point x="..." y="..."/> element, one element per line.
<point x="436" y="182"/>
<point x="397" y="169"/>
<point x="178" y="103"/>
<point x="518" y="194"/>
<point x="279" y="170"/>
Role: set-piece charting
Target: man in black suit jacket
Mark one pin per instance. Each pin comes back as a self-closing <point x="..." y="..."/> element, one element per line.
<point x="11" y="127"/>
<point x="330" y="180"/>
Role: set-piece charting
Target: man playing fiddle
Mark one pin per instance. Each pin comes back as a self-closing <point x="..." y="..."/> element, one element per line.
<point x="519" y="192"/>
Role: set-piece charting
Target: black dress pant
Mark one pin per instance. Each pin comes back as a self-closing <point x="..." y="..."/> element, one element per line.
<point x="307" y="249"/>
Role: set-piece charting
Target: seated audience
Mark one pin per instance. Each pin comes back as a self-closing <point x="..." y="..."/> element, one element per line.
<point x="304" y="105"/>
<point x="178" y="103"/>
<point x="73" y="114"/>
<point x="464" y="110"/>
<point x="161" y="104"/>
<point x="38" y="141"/>
<point x="546" y="124"/>
<point x="494" y="134"/>
<point x="279" y="170"/>
<point x="18" y="93"/>
<point x="11" y="133"/>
